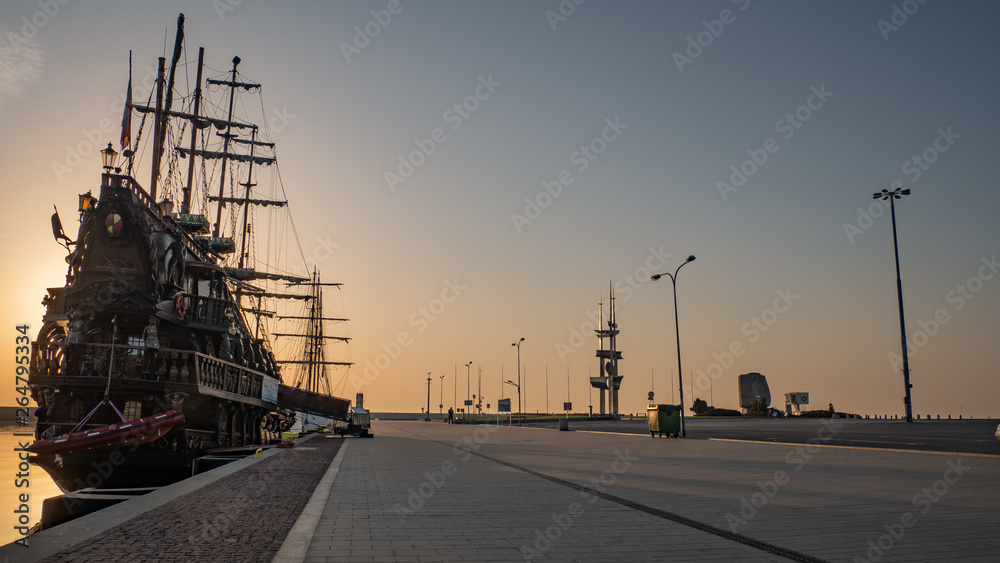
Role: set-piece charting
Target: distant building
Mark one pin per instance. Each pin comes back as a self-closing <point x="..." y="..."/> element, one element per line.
<point x="794" y="402"/>
<point x="753" y="388"/>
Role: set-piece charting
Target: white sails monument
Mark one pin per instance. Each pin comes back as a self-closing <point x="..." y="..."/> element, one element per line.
<point x="609" y="381"/>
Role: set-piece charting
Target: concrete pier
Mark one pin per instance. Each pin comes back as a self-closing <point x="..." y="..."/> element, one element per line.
<point x="432" y="492"/>
<point x="427" y="491"/>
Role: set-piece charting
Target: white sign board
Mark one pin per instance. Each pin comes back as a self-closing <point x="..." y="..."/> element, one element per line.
<point x="269" y="390"/>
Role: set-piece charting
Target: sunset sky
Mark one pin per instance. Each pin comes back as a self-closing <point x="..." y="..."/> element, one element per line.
<point x="478" y="172"/>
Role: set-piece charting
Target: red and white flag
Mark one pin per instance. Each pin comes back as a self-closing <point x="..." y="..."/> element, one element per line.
<point x="127" y="115"/>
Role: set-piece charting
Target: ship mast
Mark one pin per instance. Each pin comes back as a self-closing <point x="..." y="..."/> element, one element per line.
<point x="613" y="372"/>
<point x="246" y="200"/>
<point x="225" y="144"/>
<point x="313" y="377"/>
<point x="154" y="173"/>
<point x="316" y="373"/>
<point x="186" y="199"/>
<point x="160" y="133"/>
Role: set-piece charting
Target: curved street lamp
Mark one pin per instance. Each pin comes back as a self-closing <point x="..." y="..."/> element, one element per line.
<point x="518" y="345"/>
<point x="509" y="382"/>
<point x="892" y="196"/>
<point x="680" y="372"/>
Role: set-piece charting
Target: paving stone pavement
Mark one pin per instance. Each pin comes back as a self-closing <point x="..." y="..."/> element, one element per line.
<point x="426" y="491"/>
<point x="242" y="517"/>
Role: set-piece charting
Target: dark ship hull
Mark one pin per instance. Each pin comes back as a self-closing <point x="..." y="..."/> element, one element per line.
<point x="153" y="320"/>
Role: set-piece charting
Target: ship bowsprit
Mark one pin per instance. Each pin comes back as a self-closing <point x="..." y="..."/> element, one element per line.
<point x="313" y="403"/>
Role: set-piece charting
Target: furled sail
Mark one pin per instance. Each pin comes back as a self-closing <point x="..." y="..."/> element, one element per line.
<point x="261" y="160"/>
<point x="201" y="120"/>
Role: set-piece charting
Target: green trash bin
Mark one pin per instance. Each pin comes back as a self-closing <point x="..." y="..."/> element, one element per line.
<point x="664" y="419"/>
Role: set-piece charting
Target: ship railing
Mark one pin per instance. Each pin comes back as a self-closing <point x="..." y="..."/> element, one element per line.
<point x="227" y="376"/>
<point x="141" y="363"/>
<point x="94" y="360"/>
<point x="124" y="181"/>
<point x="207" y="310"/>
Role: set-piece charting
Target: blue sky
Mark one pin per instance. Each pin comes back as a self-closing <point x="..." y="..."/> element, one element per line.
<point x="924" y="90"/>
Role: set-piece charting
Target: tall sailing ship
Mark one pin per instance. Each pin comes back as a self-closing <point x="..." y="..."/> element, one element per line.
<point x="164" y="343"/>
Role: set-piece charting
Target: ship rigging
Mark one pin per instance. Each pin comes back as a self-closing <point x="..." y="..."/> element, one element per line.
<point x="167" y="313"/>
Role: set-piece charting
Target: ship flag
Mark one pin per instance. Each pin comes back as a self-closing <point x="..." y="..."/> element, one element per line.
<point x="127" y="114"/>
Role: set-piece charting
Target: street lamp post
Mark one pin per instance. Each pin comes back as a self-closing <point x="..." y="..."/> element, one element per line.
<point x="468" y="389"/>
<point x="892" y="196"/>
<point x="677" y="330"/>
<point x="428" y="396"/>
<point x="441" y="405"/>
<point x="509" y="382"/>
<point x="518" y="345"/>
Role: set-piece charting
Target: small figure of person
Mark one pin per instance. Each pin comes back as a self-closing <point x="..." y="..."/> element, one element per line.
<point x="451" y="415"/>
<point x="151" y="340"/>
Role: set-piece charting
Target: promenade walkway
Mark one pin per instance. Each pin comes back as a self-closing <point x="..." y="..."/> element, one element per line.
<point x="426" y="491"/>
<point x="431" y="492"/>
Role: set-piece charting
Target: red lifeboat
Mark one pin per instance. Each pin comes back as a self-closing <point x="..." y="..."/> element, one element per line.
<point x="110" y="437"/>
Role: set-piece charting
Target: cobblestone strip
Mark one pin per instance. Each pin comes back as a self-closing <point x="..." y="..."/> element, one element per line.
<point x="242" y="517"/>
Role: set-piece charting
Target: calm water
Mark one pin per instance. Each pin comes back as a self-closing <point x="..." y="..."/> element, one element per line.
<point x="38" y="488"/>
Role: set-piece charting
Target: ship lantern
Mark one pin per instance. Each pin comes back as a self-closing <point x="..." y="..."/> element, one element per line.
<point x="87" y="202"/>
<point x="109" y="155"/>
<point x="166" y="207"/>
